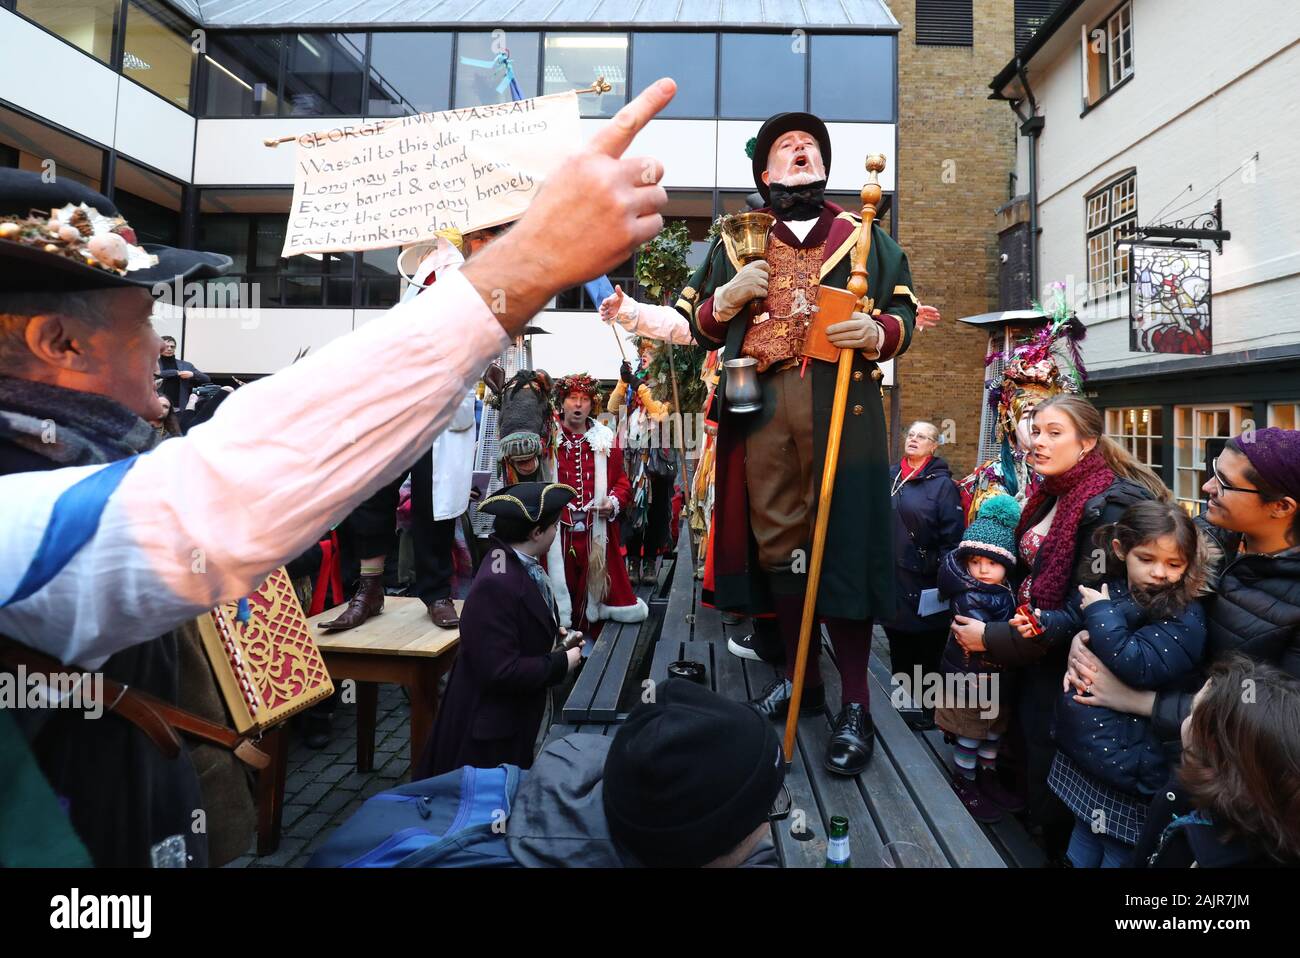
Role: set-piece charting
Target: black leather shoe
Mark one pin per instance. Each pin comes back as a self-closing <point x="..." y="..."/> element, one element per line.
<point x="852" y="741"/>
<point x="315" y="729"/>
<point x="775" y="700"/>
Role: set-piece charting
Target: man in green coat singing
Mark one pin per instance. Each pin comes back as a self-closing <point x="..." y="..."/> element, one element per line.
<point x="769" y="463"/>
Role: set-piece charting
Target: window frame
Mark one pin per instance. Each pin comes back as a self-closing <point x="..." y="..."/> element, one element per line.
<point x="1101" y="63"/>
<point x="1109" y="227"/>
<point x="1118" y="421"/>
<point x="1199" y="467"/>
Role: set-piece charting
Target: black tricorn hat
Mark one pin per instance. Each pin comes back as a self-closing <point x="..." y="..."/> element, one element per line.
<point x="774" y="127"/>
<point x="538" y="503"/>
<point x="27" y="267"/>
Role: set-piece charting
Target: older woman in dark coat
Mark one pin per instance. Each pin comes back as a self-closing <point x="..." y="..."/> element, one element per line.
<point x="927" y="526"/>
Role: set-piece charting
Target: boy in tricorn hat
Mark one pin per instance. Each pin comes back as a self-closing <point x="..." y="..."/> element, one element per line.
<point x="508" y="629"/>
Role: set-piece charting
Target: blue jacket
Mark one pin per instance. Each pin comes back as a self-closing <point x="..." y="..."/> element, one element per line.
<point x="969" y="597"/>
<point x="1123" y="750"/>
<point x="927" y="526"/>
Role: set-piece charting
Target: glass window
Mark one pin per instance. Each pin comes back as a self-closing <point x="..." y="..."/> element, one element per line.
<point x="409" y="73"/>
<point x="477" y="84"/>
<point x="1110" y="215"/>
<point x="1139" y="430"/>
<point x="324" y="73"/>
<point x="689" y="58"/>
<point x="1195" y="425"/>
<point x="88" y="24"/>
<point x="853" y="78"/>
<point x="243" y="75"/>
<point x="249" y="226"/>
<point x="381" y="284"/>
<point x="157" y="53"/>
<point x="574" y="60"/>
<point x="772" y="66"/>
<point x="1119" y="34"/>
<point x="37" y="148"/>
<point x="150" y="202"/>
<point x="1284" y="415"/>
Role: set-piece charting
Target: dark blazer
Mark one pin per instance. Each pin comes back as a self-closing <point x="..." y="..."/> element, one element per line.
<point x="1123" y="750"/>
<point x="928" y="524"/>
<point x="1255" y="610"/>
<point x="496" y="696"/>
<point x="177" y="389"/>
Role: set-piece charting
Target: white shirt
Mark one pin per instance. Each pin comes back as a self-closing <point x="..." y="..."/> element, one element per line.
<point x="204" y="518"/>
<point x="801" y="228"/>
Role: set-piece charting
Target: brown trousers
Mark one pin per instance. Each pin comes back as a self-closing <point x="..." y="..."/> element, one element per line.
<point x="779" y="470"/>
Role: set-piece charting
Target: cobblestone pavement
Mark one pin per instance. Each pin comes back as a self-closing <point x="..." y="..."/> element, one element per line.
<point x="323" y="788"/>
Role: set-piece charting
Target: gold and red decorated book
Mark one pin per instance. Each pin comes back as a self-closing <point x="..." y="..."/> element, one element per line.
<point x="269" y="667"/>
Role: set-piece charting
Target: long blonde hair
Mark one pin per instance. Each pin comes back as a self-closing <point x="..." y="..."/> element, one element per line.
<point x="1089" y="424"/>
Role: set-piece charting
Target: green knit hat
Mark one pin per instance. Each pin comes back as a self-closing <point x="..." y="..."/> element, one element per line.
<point x="993" y="533"/>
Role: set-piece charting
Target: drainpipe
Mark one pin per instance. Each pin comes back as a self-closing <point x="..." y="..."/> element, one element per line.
<point x="1031" y="126"/>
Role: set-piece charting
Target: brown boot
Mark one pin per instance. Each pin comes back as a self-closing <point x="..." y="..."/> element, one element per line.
<point x="368" y="601"/>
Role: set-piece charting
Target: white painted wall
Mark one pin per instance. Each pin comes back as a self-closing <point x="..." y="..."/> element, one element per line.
<point x="262" y="341"/>
<point x="1200" y="102"/>
<point x="153" y="131"/>
<point x="55" y="81"/>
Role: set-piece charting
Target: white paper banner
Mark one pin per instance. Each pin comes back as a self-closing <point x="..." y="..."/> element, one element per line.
<point x="383" y="185"/>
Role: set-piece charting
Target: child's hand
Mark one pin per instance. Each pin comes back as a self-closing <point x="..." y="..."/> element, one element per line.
<point x="1022" y="625"/>
<point x="969" y="633"/>
<point x="1092" y="595"/>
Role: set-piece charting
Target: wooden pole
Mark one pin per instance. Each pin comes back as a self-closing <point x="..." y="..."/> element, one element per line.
<point x="844" y="374"/>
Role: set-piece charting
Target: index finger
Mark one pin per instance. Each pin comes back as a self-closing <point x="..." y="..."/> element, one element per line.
<point x="616" y="135"/>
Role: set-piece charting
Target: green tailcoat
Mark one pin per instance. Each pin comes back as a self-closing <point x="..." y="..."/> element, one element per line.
<point x="857" y="579"/>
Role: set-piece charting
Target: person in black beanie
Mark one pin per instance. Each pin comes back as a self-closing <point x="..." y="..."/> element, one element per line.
<point x="686" y="782"/>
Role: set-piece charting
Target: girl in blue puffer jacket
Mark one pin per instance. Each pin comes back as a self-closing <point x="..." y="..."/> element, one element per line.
<point x="1149" y="629"/>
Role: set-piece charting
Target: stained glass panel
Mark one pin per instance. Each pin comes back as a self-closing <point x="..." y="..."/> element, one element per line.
<point x="1170" y="301"/>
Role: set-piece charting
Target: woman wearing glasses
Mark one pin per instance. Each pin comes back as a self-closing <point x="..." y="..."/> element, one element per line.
<point x="1253" y="515"/>
<point x="927" y="526"/>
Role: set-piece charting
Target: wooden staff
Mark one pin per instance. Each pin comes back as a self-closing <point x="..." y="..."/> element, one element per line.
<point x="858" y="287"/>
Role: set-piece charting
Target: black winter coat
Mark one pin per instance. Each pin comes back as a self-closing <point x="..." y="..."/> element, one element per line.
<point x="927" y="526"/>
<point x="1005" y="644"/>
<point x="1191" y="842"/>
<point x="1120" y="749"/>
<point x="1255" y="610"/>
<point x="978" y="600"/>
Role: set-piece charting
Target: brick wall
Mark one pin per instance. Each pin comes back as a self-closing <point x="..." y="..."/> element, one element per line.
<point x="956" y="149"/>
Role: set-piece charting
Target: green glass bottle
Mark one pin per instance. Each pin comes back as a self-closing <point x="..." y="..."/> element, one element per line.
<point x="837" y="849"/>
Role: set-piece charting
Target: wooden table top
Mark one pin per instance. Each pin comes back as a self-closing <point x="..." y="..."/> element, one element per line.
<point x="403" y="628"/>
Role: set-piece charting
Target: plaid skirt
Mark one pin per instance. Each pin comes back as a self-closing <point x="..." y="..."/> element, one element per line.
<point x="1124" y="814"/>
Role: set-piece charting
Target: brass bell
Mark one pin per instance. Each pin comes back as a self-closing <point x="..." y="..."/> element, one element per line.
<point x="743" y="391"/>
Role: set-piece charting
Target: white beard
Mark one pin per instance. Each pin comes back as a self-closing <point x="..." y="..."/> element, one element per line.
<point x="802" y="177"/>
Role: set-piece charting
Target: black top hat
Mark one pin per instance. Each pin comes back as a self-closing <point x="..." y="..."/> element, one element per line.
<point x="775" y="127"/>
<point x="35" y="259"/>
<point x="537" y="503"/>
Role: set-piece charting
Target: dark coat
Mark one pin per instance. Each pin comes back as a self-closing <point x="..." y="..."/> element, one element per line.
<point x="177" y="389"/>
<point x="1120" y="749"/>
<point x="928" y="524"/>
<point x="1255" y="610"/>
<point x="496" y="696"/>
<point x="858" y="575"/>
<point x="1039" y="681"/>
<point x="978" y="600"/>
<point x="1199" y="842"/>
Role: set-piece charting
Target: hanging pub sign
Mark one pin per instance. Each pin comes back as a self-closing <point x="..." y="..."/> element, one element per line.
<point x="1169" y="300"/>
<point x="1169" y="284"/>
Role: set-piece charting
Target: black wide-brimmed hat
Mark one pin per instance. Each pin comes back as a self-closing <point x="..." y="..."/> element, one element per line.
<point x="36" y="256"/>
<point x="538" y="503"/>
<point x="775" y="127"/>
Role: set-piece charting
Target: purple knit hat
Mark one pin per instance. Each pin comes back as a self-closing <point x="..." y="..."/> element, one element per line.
<point x="1275" y="455"/>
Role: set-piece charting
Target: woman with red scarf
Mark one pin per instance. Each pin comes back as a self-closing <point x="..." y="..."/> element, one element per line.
<point x="1088" y="482"/>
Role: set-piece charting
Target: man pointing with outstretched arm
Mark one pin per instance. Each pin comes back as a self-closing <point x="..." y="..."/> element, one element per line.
<point x="204" y="519"/>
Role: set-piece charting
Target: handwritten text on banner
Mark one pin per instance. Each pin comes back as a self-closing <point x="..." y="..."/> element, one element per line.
<point x="380" y="186"/>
